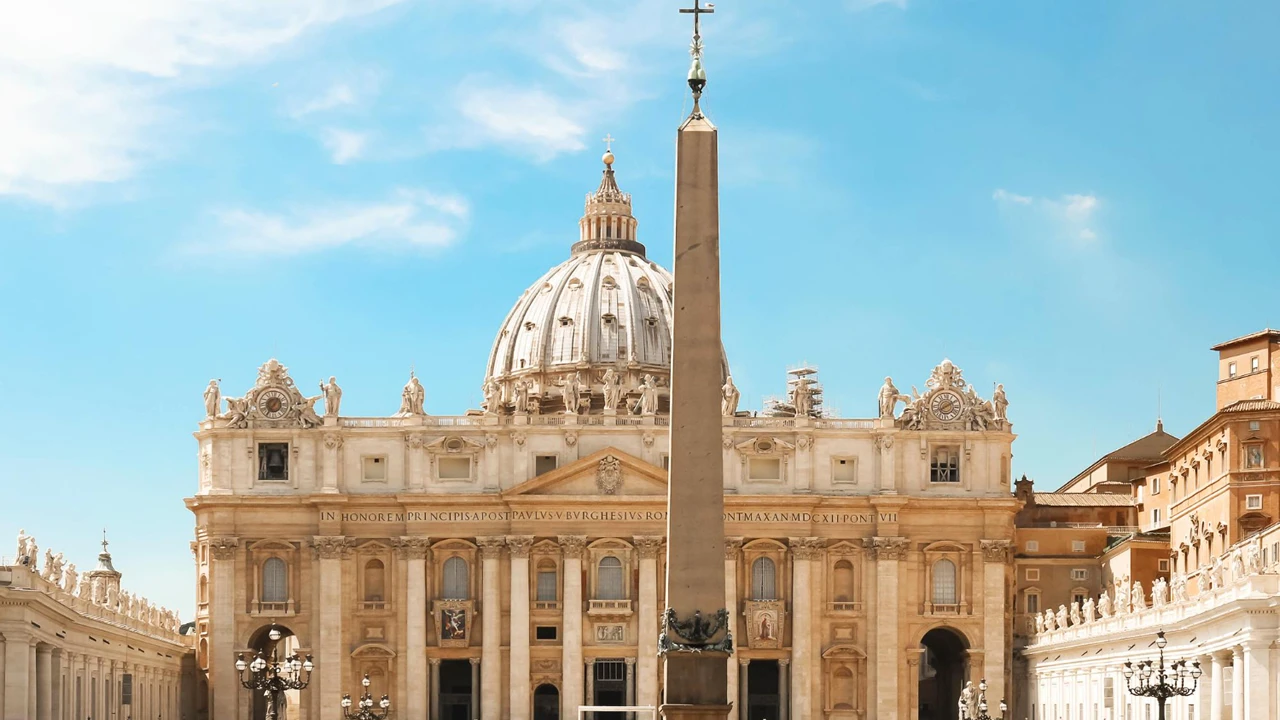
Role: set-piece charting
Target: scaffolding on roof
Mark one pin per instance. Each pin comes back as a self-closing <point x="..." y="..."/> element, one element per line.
<point x="805" y="375"/>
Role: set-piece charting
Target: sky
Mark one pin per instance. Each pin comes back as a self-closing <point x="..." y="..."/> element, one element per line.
<point x="1073" y="199"/>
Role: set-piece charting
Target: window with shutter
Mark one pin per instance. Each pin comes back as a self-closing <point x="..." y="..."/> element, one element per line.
<point x="456" y="579"/>
<point x="275" y="581"/>
<point x="764" y="579"/>
<point x="609" y="579"/>
<point x="546" y="581"/>
<point x="944" y="583"/>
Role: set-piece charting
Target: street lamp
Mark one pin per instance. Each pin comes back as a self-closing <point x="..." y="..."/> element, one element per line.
<point x="982" y="703"/>
<point x="365" y="709"/>
<point x="1168" y="682"/>
<point x="274" y="676"/>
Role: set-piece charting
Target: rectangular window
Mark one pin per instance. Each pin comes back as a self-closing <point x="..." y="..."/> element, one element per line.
<point x="1231" y="370"/>
<point x="1077" y="546"/>
<point x="1079" y="574"/>
<point x="844" y="471"/>
<point x="764" y="469"/>
<point x="374" y="469"/>
<point x="547" y="585"/>
<point x="1155" y="486"/>
<point x="1108" y="692"/>
<point x="945" y="465"/>
<point x="1253" y="364"/>
<point x="1033" y="602"/>
<point x="1155" y="516"/>
<point x="544" y="632"/>
<point x="454" y="468"/>
<point x="1078" y="598"/>
<point x="1162" y="565"/>
<point x="273" y="461"/>
<point x="1253" y="456"/>
<point x="1255" y="425"/>
<point x="1252" y="502"/>
<point x="544" y="464"/>
<point x="666" y="462"/>
<point x="1033" y="574"/>
<point x="1033" y="546"/>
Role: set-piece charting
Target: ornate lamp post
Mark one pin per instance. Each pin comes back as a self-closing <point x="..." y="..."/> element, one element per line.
<point x="274" y="676"/>
<point x="1168" y="681"/>
<point x="982" y="703"/>
<point x="365" y="709"/>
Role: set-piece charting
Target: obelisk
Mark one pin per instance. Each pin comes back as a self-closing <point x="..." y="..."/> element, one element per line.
<point x="696" y="639"/>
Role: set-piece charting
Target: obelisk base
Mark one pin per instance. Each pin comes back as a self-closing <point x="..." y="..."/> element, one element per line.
<point x="695" y="712"/>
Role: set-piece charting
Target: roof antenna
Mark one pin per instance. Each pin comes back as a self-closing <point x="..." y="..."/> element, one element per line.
<point x="1159" y="401"/>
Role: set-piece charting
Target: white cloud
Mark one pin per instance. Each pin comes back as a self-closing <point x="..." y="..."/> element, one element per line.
<point x="84" y="83"/>
<point x="530" y="122"/>
<point x="1005" y="196"/>
<point x="1079" y="207"/>
<point x="1072" y="216"/>
<point x="344" y="145"/>
<point x="410" y="219"/>
<point x="337" y="95"/>
<point x="859" y="5"/>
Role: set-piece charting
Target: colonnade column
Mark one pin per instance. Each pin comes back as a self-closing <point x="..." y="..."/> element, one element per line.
<point x="1257" y="678"/>
<point x="224" y="687"/>
<point x="491" y="622"/>
<point x="744" y="689"/>
<point x="330" y="550"/>
<point x="475" y="688"/>
<point x="433" y="692"/>
<point x="1237" y="683"/>
<point x="888" y="552"/>
<point x="647" y="622"/>
<point x="803" y="552"/>
<point x="784" y="689"/>
<point x="44" y="682"/>
<point x="732" y="546"/>
<point x="33" y="679"/>
<point x="518" y="546"/>
<point x="590" y="667"/>
<point x="414" y="552"/>
<point x="56" y="681"/>
<point x="630" y="692"/>
<point x="1217" y="665"/>
<point x="571" y="547"/>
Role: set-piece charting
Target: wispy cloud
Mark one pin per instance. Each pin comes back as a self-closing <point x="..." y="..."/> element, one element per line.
<point x="85" y="84"/>
<point x="859" y="5"/>
<point x="530" y="122"/>
<point x="412" y="219"/>
<point x="1072" y="216"/>
<point x="344" y="145"/>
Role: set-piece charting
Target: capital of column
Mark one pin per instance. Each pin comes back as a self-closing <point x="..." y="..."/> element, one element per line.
<point x="571" y="546"/>
<point x="436" y="661"/>
<point x="411" y="548"/>
<point x="629" y="661"/>
<point x="474" y="661"/>
<point x="43" y="648"/>
<point x="1237" y="652"/>
<point x="997" y="551"/>
<point x="648" y="546"/>
<point x="491" y="547"/>
<point x="886" y="548"/>
<point x="732" y="546"/>
<point x="744" y="661"/>
<point x="807" y="548"/>
<point x="783" y="662"/>
<point x="519" y="545"/>
<point x="331" y="547"/>
<point x="224" y="548"/>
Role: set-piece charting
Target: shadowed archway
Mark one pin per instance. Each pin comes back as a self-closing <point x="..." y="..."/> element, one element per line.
<point x="944" y="664"/>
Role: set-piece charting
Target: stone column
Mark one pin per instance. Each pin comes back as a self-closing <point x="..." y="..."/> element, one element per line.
<point x="521" y="693"/>
<point x="696" y="683"/>
<point x="434" y="690"/>
<point x="1237" y="683"/>
<point x="647" y="622"/>
<point x="630" y="684"/>
<point x="997" y="555"/>
<point x="1257" y="679"/>
<point x="732" y="547"/>
<point x="913" y="686"/>
<point x="888" y="552"/>
<point x="744" y="689"/>
<point x="414" y="552"/>
<point x="1216" y="704"/>
<point x="571" y="547"/>
<point x="32" y="697"/>
<point x="784" y="689"/>
<point x="330" y="550"/>
<point x="475" y="688"/>
<point x="491" y="628"/>
<point x="803" y="552"/>
<point x="590" y="665"/>
<point x="56" y="706"/>
<point x="44" y="682"/>
<point x="223" y="682"/>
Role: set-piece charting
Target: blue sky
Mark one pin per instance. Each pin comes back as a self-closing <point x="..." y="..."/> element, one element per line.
<point x="1074" y="199"/>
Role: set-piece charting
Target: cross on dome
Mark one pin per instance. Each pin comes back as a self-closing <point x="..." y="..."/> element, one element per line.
<point x="608" y="149"/>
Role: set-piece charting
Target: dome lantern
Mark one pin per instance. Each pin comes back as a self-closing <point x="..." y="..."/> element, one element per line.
<point x="607" y="222"/>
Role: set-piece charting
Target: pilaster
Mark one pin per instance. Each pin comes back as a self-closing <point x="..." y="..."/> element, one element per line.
<point x="519" y="685"/>
<point x="648" y="548"/>
<point x="888" y="553"/>
<point x="330" y="550"/>
<point x="224" y="684"/>
<point x="803" y="552"/>
<point x="413" y="553"/>
<point x="571" y="548"/>
<point x="491" y="628"/>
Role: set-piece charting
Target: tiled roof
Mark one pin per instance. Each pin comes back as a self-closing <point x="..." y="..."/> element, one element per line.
<point x="1246" y="338"/>
<point x="1250" y="406"/>
<point x="1083" y="500"/>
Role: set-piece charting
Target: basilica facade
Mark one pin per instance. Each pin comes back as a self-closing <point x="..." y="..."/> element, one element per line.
<point x="508" y="563"/>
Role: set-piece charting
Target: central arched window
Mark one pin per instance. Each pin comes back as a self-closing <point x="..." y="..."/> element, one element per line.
<point x="546" y="580"/>
<point x="456" y="579"/>
<point x="609" y="579"/>
<point x="764" y="579"/>
<point x="944" y="583"/>
<point x="843" y="582"/>
<point x="375" y="580"/>
<point x="275" y="581"/>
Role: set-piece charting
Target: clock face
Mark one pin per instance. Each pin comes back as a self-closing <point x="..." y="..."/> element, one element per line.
<point x="273" y="404"/>
<point x="946" y="406"/>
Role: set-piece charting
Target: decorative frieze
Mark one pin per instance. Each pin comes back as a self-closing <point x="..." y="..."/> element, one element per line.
<point x="571" y="546"/>
<point x="887" y="548"/>
<point x="223" y="548"/>
<point x="411" y="548"/>
<point x="807" y="548"/>
<point x="331" y="547"/>
<point x="648" y="547"/>
<point x="490" y="547"/>
<point x="519" y="545"/>
<point x="997" y="551"/>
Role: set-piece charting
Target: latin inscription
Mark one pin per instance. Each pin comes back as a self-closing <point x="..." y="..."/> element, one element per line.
<point x="562" y="516"/>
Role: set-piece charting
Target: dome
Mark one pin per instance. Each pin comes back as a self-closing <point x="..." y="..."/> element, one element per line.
<point x="596" y="327"/>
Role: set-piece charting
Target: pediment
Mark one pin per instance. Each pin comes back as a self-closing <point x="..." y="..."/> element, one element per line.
<point x="844" y="652"/>
<point x="605" y="472"/>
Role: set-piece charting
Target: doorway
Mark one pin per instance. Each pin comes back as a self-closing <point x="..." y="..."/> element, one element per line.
<point x="610" y="686"/>
<point x="762" y="690"/>
<point x="943" y="668"/>
<point x="455" y="690"/>
<point x="546" y="703"/>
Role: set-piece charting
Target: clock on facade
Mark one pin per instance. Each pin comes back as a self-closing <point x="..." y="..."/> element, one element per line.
<point x="273" y="403"/>
<point x="946" y="406"/>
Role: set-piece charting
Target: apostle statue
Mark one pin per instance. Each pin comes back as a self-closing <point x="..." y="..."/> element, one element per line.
<point x="522" y="396"/>
<point x="1039" y="623"/>
<point x="569" y="390"/>
<point x="1159" y="593"/>
<point x="612" y="390"/>
<point x="802" y="398"/>
<point x="412" y="397"/>
<point x="332" y="396"/>
<point x="1089" y="610"/>
<point x="1050" y="622"/>
<point x="729" y="396"/>
<point x="70" y="578"/>
<point x="113" y="597"/>
<point x="1139" y="600"/>
<point x="1001" y="403"/>
<point x="22" y="545"/>
<point x="1122" y="596"/>
<point x="492" y="397"/>
<point x="212" y="400"/>
<point x="85" y="591"/>
<point x="1179" y="587"/>
<point x="968" y="702"/>
<point x="1253" y="558"/>
<point x="58" y="562"/>
<point x="48" y="565"/>
<point x="889" y="397"/>
<point x="1237" y="565"/>
<point x="1062" y="617"/>
<point x="1075" y="613"/>
<point x="33" y="554"/>
<point x="649" y="396"/>
<point x="1104" y="605"/>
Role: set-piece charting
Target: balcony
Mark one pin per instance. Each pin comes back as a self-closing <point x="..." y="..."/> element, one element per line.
<point x="844" y="608"/>
<point x="946" y="609"/>
<point x="546" y="605"/>
<point x="609" y="608"/>
<point x="374" y="605"/>
<point x="274" y="609"/>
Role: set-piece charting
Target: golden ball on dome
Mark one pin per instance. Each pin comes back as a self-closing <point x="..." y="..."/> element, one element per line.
<point x="608" y="158"/>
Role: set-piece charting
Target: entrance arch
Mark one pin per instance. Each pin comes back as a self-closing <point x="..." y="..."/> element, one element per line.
<point x="944" y="665"/>
<point x="260" y="642"/>
<point x="546" y="702"/>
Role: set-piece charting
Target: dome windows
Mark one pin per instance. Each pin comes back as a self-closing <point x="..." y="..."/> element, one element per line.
<point x="642" y="283"/>
<point x="575" y="284"/>
<point x="608" y="283"/>
<point x="530" y="325"/>
<point x="565" y="321"/>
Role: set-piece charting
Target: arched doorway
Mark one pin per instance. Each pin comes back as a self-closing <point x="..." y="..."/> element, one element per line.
<point x="546" y="703"/>
<point x="260" y="642"/>
<point x="944" y="662"/>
